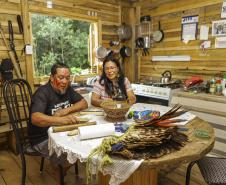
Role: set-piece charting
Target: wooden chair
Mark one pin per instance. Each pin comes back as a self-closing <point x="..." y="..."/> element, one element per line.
<point x="213" y="170"/>
<point x="17" y="96"/>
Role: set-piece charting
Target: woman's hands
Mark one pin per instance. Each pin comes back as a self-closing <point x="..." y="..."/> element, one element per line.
<point x="96" y="99"/>
<point x="131" y="97"/>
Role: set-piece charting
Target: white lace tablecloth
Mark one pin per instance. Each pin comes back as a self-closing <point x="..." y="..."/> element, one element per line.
<point x="80" y="150"/>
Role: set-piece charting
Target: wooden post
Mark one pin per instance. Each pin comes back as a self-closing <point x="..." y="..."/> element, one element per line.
<point x="27" y="41"/>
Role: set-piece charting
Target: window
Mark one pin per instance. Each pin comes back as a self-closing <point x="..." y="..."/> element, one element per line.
<point x="59" y="39"/>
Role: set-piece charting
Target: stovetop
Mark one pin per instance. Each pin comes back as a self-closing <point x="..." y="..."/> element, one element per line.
<point x="156" y="89"/>
<point x="172" y="84"/>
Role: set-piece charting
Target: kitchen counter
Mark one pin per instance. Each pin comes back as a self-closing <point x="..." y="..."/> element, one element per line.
<point x="200" y="96"/>
<point x="211" y="108"/>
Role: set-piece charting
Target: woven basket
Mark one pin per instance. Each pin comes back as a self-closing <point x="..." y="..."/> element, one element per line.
<point x="115" y="110"/>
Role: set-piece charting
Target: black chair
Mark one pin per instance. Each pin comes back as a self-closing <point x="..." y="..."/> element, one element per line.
<point x="213" y="170"/>
<point x="17" y="95"/>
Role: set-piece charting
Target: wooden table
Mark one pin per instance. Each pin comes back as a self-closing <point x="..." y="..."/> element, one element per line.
<point x="195" y="149"/>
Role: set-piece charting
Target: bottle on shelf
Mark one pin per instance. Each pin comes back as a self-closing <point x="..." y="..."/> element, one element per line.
<point x="218" y="87"/>
<point x="212" y="86"/>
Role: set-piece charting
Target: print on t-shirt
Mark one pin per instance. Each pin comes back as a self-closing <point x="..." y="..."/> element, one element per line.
<point x="59" y="106"/>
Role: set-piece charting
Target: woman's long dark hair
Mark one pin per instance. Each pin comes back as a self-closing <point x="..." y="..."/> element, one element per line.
<point x="108" y="83"/>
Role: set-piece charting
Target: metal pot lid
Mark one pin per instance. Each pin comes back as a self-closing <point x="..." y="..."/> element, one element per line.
<point x="158" y="36"/>
<point x="101" y="52"/>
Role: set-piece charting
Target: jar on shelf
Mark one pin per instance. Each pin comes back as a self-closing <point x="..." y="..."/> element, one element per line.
<point x="144" y="30"/>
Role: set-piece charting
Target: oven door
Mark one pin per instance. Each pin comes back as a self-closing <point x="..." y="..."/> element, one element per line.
<point x="151" y="100"/>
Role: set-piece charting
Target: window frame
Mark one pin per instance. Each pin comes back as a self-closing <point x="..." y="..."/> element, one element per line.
<point x="97" y="40"/>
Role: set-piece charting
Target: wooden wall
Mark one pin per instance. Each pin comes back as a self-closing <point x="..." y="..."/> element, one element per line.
<point x="206" y="64"/>
<point x="9" y="11"/>
<point x="106" y="13"/>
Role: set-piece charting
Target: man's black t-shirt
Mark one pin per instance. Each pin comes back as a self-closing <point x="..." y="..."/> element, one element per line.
<point x="47" y="101"/>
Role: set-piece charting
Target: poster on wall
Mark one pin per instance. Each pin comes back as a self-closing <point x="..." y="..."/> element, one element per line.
<point x="204" y="32"/>
<point x="223" y="10"/>
<point x="189" y="28"/>
<point x="219" y="28"/>
<point x="220" y="42"/>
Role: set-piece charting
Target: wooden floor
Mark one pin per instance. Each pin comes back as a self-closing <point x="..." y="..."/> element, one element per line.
<point x="10" y="173"/>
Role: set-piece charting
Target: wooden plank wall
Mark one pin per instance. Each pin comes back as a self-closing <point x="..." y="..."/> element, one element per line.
<point x="9" y="11"/>
<point x="206" y="64"/>
<point x="106" y="13"/>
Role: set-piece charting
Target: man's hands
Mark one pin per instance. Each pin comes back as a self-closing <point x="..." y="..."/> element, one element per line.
<point x="60" y="117"/>
<point x="69" y="119"/>
<point x="42" y="120"/>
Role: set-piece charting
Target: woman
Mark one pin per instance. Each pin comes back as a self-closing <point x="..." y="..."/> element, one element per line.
<point x="112" y="84"/>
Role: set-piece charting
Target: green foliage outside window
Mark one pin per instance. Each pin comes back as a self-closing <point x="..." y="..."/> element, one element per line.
<point x="58" y="39"/>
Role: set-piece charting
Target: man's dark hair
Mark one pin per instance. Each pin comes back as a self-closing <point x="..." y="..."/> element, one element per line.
<point x="56" y="66"/>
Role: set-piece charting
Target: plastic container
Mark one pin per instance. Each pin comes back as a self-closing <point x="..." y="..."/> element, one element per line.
<point x="212" y="88"/>
<point x="145" y="30"/>
<point x="223" y="82"/>
<point x="224" y="92"/>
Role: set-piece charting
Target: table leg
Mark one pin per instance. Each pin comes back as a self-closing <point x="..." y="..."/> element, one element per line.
<point x="144" y="176"/>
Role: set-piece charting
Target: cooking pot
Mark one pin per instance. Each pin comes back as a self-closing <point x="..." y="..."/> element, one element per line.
<point x="124" y="32"/>
<point x="166" y="77"/>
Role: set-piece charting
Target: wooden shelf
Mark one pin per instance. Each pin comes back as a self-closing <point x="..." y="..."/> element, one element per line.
<point x="7" y="127"/>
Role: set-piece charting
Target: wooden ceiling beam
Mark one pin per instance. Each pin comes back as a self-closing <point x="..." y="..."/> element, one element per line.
<point x="103" y="3"/>
<point x="175" y="6"/>
<point x="152" y="3"/>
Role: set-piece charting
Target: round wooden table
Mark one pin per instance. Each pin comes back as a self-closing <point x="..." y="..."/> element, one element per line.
<point x="195" y="149"/>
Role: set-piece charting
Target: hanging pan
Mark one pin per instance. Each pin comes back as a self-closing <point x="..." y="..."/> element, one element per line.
<point x="101" y="52"/>
<point x="125" y="51"/>
<point x="159" y="34"/>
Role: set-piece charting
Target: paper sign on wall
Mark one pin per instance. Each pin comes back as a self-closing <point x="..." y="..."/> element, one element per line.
<point x="189" y="26"/>
<point x="223" y="10"/>
<point x="220" y="42"/>
<point x="219" y="28"/>
<point x="204" y="32"/>
<point x="29" y="49"/>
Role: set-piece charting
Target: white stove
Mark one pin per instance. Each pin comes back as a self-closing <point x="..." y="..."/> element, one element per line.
<point x="163" y="93"/>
